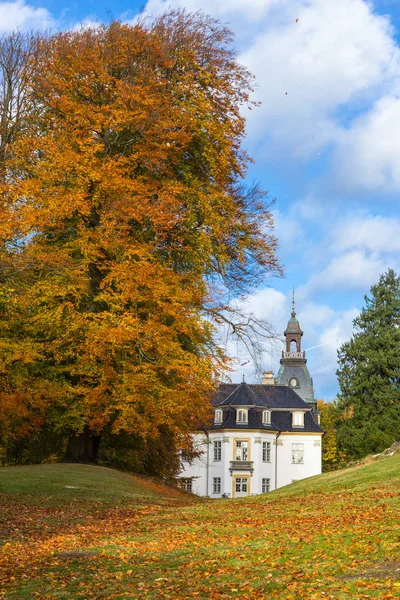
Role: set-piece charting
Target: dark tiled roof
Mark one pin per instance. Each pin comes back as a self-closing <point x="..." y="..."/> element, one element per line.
<point x="301" y="373"/>
<point x="254" y="422"/>
<point x="281" y="399"/>
<point x="271" y="396"/>
<point x="239" y="395"/>
<point x="283" y="422"/>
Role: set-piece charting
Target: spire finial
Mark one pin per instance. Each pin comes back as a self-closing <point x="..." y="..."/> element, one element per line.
<point x="293" y="311"/>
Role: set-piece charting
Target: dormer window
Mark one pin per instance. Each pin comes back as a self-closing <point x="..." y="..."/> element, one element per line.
<point x="218" y="416"/>
<point x="298" y="419"/>
<point x="241" y="415"/>
<point x="266" y="417"/>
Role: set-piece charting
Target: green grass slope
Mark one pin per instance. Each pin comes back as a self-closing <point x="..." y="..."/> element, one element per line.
<point x="75" y="531"/>
<point x="359" y="478"/>
<point x="66" y="483"/>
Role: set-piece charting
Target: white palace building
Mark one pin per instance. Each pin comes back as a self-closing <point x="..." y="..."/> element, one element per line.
<point x="263" y="436"/>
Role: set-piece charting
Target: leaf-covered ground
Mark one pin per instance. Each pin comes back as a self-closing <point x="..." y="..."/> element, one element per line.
<point x="333" y="536"/>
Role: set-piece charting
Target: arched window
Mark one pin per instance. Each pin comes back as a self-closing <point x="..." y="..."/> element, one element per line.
<point x="218" y="416"/>
<point x="293" y="346"/>
<point x="241" y="416"/>
<point x="266" y="417"/>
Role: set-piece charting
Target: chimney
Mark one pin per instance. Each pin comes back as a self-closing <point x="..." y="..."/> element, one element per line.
<point x="268" y="378"/>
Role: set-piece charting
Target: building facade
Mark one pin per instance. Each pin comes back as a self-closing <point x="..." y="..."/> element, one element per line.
<point x="263" y="436"/>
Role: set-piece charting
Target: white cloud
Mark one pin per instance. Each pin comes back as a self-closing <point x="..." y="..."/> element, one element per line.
<point x="372" y="233"/>
<point x="323" y="359"/>
<point x="368" y="154"/>
<point x="288" y="229"/>
<point x="336" y="54"/>
<point x="249" y="10"/>
<point x="314" y="75"/>
<point x="268" y="304"/>
<point x="88" y="23"/>
<point x="355" y="269"/>
<point x="313" y="316"/>
<point x="312" y="208"/>
<point x="19" y="15"/>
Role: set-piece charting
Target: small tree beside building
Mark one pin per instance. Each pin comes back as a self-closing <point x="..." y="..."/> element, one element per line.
<point x="332" y="457"/>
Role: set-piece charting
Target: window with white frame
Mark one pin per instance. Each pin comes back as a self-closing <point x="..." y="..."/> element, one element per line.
<point x="217" y="450"/>
<point x="265" y="485"/>
<point x="297" y="453"/>
<point x="241" y="415"/>
<point x="241" y="485"/>
<point x="242" y="450"/>
<point x="216" y="485"/>
<point x="298" y="419"/>
<point x="266" y="451"/>
<point x="218" y="416"/>
<point x="266" y="417"/>
<point x="186" y="484"/>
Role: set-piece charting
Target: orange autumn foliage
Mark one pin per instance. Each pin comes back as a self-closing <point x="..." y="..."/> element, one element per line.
<point x="124" y="222"/>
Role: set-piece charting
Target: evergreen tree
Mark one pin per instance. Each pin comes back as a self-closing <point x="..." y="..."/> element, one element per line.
<point x="369" y="373"/>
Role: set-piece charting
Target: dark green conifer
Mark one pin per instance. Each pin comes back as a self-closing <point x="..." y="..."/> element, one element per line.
<point x="369" y="373"/>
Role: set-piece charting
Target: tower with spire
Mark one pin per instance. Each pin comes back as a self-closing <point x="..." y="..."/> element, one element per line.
<point x="293" y="370"/>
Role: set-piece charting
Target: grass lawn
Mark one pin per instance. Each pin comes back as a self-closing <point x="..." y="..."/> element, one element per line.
<point x="76" y="531"/>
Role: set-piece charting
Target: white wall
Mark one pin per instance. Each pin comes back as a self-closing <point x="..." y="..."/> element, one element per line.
<point x="289" y="472"/>
<point x="197" y="470"/>
<point x="286" y="470"/>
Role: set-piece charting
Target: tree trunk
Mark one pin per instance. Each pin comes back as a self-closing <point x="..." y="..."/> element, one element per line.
<point x="83" y="447"/>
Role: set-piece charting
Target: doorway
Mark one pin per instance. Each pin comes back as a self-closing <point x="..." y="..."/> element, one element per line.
<point x="241" y="487"/>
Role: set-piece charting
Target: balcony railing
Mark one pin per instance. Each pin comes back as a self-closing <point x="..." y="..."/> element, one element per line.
<point x="241" y="465"/>
<point x="293" y="354"/>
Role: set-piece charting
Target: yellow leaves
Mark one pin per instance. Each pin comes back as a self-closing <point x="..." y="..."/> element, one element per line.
<point x="347" y="413"/>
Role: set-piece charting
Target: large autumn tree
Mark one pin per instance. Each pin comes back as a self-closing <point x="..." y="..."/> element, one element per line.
<point x="125" y="230"/>
<point x="369" y="373"/>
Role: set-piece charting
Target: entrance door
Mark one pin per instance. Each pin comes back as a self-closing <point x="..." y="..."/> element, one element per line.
<point x="241" y="487"/>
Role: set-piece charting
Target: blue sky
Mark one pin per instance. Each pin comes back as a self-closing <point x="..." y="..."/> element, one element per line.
<point x="326" y="141"/>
